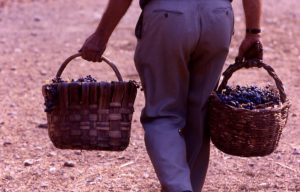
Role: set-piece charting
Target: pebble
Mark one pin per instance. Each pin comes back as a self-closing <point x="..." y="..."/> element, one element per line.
<point x="12" y="114"/>
<point x="6" y="143"/>
<point x="42" y="126"/>
<point x="44" y="184"/>
<point x="18" y="50"/>
<point x="37" y="19"/>
<point x="52" y="154"/>
<point x="296" y="151"/>
<point x="52" y="170"/>
<point x="146" y="175"/>
<point x="278" y="157"/>
<point x="43" y="73"/>
<point x="17" y="156"/>
<point x="8" y="177"/>
<point x="69" y="164"/>
<point x="28" y="162"/>
<point x="33" y="34"/>
<point x="77" y="152"/>
<point x="264" y="185"/>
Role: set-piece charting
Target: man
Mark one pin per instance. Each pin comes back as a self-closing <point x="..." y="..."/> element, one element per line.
<point x="182" y="47"/>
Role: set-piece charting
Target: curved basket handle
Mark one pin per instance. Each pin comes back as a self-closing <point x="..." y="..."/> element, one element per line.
<point x="239" y="64"/>
<point x="69" y="59"/>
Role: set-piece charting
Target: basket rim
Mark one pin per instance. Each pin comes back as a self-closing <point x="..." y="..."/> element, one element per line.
<point x="69" y="82"/>
<point x="273" y="109"/>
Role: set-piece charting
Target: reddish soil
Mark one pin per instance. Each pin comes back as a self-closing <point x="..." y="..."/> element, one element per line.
<point x="36" y="37"/>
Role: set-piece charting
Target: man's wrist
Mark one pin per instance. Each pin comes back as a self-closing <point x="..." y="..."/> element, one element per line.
<point x="253" y="31"/>
<point x="255" y="36"/>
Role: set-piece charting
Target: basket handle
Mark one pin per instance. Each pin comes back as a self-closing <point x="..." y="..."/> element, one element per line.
<point x="239" y="64"/>
<point x="69" y="59"/>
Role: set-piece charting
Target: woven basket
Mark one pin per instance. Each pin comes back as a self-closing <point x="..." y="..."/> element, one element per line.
<point x="91" y="116"/>
<point x="243" y="132"/>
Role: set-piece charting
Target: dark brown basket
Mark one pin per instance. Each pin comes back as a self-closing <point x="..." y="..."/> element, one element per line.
<point x="242" y="132"/>
<point x="91" y="116"/>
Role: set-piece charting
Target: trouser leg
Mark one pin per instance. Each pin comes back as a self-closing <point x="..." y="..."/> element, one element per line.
<point x="205" y="69"/>
<point x="161" y="59"/>
<point x="179" y="63"/>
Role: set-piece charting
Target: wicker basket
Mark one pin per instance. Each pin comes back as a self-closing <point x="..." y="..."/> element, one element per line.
<point x="243" y="132"/>
<point x="91" y="116"/>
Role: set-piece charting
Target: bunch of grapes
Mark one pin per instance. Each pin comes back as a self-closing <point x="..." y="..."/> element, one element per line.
<point x="51" y="98"/>
<point x="58" y="80"/>
<point x="249" y="97"/>
<point x="87" y="79"/>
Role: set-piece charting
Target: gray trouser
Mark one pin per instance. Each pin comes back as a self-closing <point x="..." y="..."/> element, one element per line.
<point x="179" y="57"/>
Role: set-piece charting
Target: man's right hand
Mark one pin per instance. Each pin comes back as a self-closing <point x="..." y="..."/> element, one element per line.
<point x="247" y="44"/>
<point x="93" y="48"/>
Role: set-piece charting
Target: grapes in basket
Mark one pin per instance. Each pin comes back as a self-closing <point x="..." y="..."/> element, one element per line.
<point x="249" y="97"/>
<point x="52" y="93"/>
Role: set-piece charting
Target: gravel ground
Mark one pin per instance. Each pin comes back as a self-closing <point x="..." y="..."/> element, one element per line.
<point x="36" y="37"/>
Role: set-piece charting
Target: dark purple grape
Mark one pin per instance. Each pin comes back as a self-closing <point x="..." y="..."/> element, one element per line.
<point x="248" y="97"/>
<point x="87" y="79"/>
<point x="51" y="97"/>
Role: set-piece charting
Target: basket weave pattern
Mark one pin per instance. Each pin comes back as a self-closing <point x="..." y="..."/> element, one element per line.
<point x="242" y="132"/>
<point x="92" y="116"/>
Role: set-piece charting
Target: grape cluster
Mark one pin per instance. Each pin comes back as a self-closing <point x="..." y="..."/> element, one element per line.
<point x="249" y="97"/>
<point x="87" y="79"/>
<point x="58" y="80"/>
<point x="51" y="97"/>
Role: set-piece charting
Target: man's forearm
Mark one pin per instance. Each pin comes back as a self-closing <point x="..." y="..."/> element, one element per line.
<point x="114" y="12"/>
<point x="252" y="10"/>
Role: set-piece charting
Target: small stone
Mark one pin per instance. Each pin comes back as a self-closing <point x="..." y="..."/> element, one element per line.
<point x="69" y="164"/>
<point x="121" y="157"/>
<point x="17" y="156"/>
<point x="52" y="170"/>
<point x="12" y="114"/>
<point x="18" y="50"/>
<point x="99" y="155"/>
<point x="146" y="175"/>
<point x="28" y="162"/>
<point x="37" y="19"/>
<point x="43" y="73"/>
<point x="42" y="126"/>
<point x="52" y="154"/>
<point x="77" y="153"/>
<point x="280" y="175"/>
<point x="8" y="177"/>
<point x="278" y="157"/>
<point x="264" y="185"/>
<point x="6" y="143"/>
<point x="44" y="184"/>
<point x="33" y="34"/>
<point x="296" y="151"/>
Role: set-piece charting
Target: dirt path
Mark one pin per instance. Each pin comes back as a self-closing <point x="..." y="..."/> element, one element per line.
<point x="36" y="37"/>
